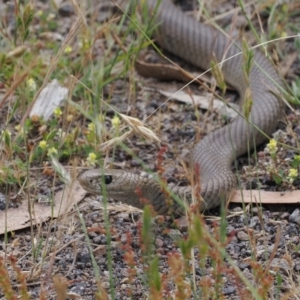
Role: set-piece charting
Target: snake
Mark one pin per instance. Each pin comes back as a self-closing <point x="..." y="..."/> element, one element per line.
<point x="212" y="157"/>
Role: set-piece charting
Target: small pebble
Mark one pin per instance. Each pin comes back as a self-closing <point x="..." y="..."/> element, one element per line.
<point x="281" y="263"/>
<point x="66" y="10"/>
<point x="242" y="236"/>
<point x="284" y="216"/>
<point x="105" y="285"/>
<point x="295" y="216"/>
<point x="229" y="290"/>
<point x="159" y="243"/>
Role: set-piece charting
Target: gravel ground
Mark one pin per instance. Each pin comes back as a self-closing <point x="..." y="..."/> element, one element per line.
<point x="254" y="234"/>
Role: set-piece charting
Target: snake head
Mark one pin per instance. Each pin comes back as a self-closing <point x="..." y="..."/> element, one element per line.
<point x="117" y="184"/>
<point x="92" y="180"/>
<point x="100" y="181"/>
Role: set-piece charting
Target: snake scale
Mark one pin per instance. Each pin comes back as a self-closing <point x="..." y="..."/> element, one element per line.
<point x="214" y="154"/>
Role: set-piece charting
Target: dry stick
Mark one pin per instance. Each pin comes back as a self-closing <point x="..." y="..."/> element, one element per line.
<point x="276" y="244"/>
<point x="15" y="85"/>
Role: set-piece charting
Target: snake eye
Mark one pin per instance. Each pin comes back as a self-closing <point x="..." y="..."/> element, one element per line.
<point x="107" y="179"/>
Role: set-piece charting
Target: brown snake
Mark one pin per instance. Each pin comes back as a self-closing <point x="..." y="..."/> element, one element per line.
<point x="213" y="155"/>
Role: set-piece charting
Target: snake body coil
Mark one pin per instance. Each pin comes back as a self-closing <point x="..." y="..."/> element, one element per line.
<point x="214" y="154"/>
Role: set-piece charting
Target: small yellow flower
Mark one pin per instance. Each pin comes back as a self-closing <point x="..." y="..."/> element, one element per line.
<point x="91" y="127"/>
<point x="31" y="84"/>
<point x="50" y="17"/>
<point x="284" y="34"/>
<point x="40" y="13"/>
<point x="293" y="173"/>
<point x="57" y="112"/>
<point x="19" y="129"/>
<point x="84" y="44"/>
<point x="43" y="144"/>
<point x="91" y="159"/>
<point x="52" y="151"/>
<point x="115" y="121"/>
<point x="297" y="157"/>
<point x="68" y="49"/>
<point x="272" y="146"/>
